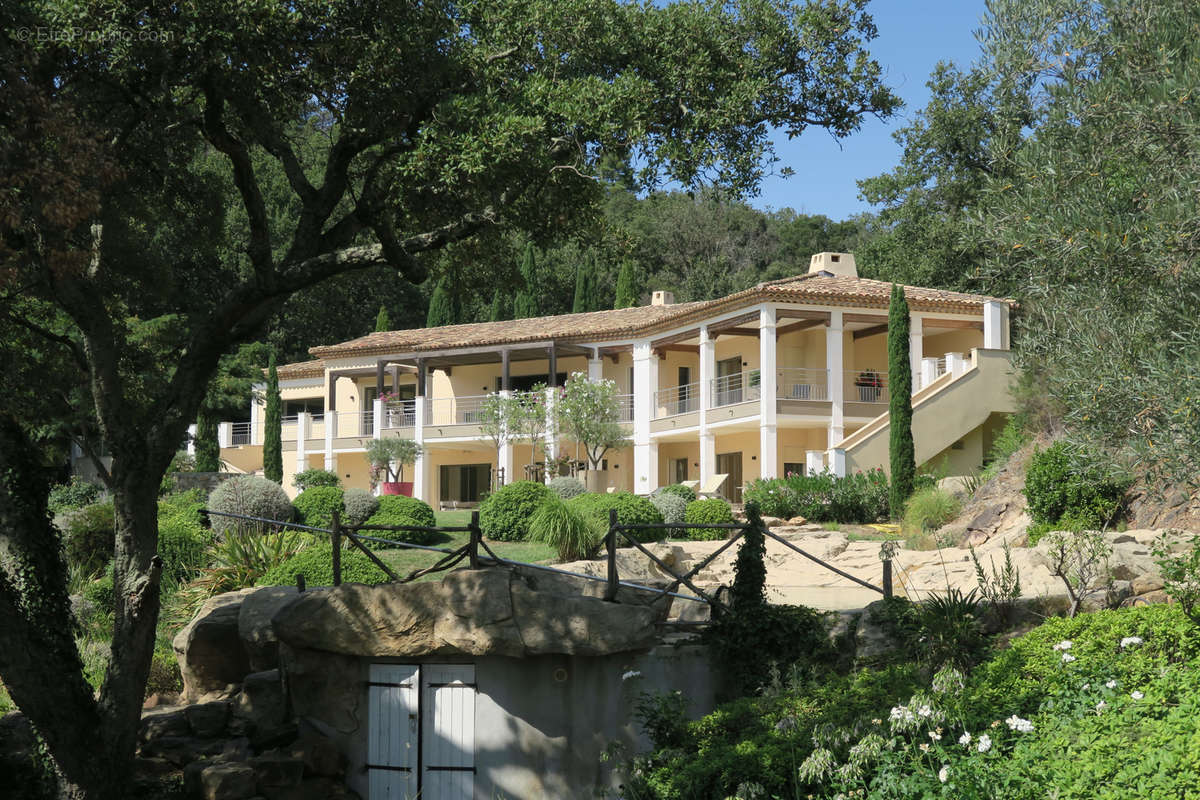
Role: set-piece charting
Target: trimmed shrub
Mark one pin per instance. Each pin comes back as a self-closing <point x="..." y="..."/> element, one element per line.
<point x="567" y="487"/>
<point x="90" y="536"/>
<point x="1062" y="484"/>
<point x="566" y="530"/>
<point x="165" y="675"/>
<point x="360" y="506"/>
<point x="677" y="489"/>
<point x="859" y="498"/>
<point x="670" y="505"/>
<point x="100" y="592"/>
<point x="315" y="506"/>
<point x="631" y="510"/>
<point x="504" y="515"/>
<point x="251" y="496"/>
<point x="75" y="493"/>
<point x="312" y="478"/>
<point x="930" y="509"/>
<point x="183" y="547"/>
<point x="713" y="511"/>
<point x="184" y="505"/>
<point x="316" y="565"/>
<point x="398" y="510"/>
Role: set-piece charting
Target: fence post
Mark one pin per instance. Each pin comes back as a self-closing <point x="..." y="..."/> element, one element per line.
<point x="300" y="582"/>
<point x="610" y="545"/>
<point x="476" y="535"/>
<point x="887" y="579"/>
<point x="337" y="548"/>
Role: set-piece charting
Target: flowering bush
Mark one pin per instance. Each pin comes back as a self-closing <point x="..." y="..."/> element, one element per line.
<point x="858" y="498"/>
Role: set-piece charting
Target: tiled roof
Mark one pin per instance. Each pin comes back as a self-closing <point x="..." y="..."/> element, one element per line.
<point x="813" y="288"/>
<point x="303" y="369"/>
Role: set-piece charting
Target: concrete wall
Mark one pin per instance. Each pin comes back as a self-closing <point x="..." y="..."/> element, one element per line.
<point x="541" y="723"/>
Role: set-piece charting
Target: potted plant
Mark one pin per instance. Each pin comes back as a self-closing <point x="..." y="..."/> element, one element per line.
<point x="387" y="458"/>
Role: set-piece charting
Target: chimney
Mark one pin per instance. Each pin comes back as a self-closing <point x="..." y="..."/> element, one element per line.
<point x="830" y="264"/>
<point x="662" y="298"/>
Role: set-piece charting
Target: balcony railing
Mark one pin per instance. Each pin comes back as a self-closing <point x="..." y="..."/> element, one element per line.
<point x="802" y="384"/>
<point x="676" y="400"/>
<point x="400" y="414"/>
<point x="240" y="433"/>
<point x="454" y="410"/>
<point x="740" y="387"/>
<point x="866" y="386"/>
<point x="356" y="423"/>
<point x="625" y="403"/>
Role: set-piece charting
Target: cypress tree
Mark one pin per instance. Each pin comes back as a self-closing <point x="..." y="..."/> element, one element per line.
<point x="525" y="305"/>
<point x="499" y="308"/>
<point x="901" y="452"/>
<point x="627" y="293"/>
<point x="208" y="447"/>
<point x="585" y="286"/>
<point x="382" y="322"/>
<point x="441" y="306"/>
<point x="273" y="424"/>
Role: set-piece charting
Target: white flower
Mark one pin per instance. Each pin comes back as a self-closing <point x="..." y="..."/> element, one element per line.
<point x="965" y="739"/>
<point x="924" y="711"/>
<point x="633" y="673"/>
<point x="1068" y="658"/>
<point x="1101" y="706"/>
<point x="937" y="737"/>
<point x="1063" y="645"/>
<point x="944" y="773"/>
<point x="1017" y="724"/>
<point x="1136" y="695"/>
<point x="985" y="743"/>
<point x="1110" y="684"/>
<point x="924" y="748"/>
<point x="1087" y="686"/>
<point x="1130" y="641"/>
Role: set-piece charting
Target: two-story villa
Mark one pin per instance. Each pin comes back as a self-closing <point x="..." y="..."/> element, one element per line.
<point x="786" y="376"/>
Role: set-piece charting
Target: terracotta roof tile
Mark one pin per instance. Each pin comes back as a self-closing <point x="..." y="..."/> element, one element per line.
<point x="302" y="369"/>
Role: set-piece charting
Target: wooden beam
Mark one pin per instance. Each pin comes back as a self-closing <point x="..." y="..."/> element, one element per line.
<point x="504" y="374"/>
<point x="956" y="324"/>
<point x="421" y="377"/>
<point x="331" y="403"/>
<point x="733" y="322"/>
<point x="675" y="337"/>
<point x="872" y="319"/>
<point x="802" y="325"/>
<point x="615" y="351"/>
<point x="737" y="332"/>
<point x="800" y="313"/>
<point x="552" y="381"/>
<point x="874" y="330"/>
<point x="379" y="378"/>
<point x="678" y="348"/>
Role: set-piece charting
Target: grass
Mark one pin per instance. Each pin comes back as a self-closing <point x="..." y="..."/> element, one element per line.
<point x="404" y="560"/>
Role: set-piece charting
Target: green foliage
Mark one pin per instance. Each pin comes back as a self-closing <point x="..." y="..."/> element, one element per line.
<point x="498" y="311"/>
<point x="383" y="453"/>
<point x="663" y="718"/>
<point x="100" y="592"/>
<point x="679" y="490"/>
<point x="182" y="543"/>
<point x="401" y="511"/>
<point x="243" y="556"/>
<point x="525" y="304"/>
<point x="930" y="509"/>
<point x="1079" y="558"/>
<point x="587" y="293"/>
<point x="165" y="675"/>
<point x="75" y="493"/>
<point x="382" y="321"/>
<point x="208" y="448"/>
<point x="632" y="510"/>
<point x="273" y="426"/>
<point x="182" y="461"/>
<point x="315" y="506"/>
<point x="1181" y="574"/>
<point x="1001" y="587"/>
<point x="309" y="478"/>
<point x="1062" y="482"/>
<point x="360" y="505"/>
<point x="565" y="529"/>
<point x="901" y="452"/>
<point x="861" y="498"/>
<point x="590" y="413"/>
<point x="90" y="536"/>
<point x="627" y="286"/>
<point x="566" y="487"/>
<point x="710" y="511"/>
<point x="504" y="515"/>
<point x="951" y="633"/>
<point x="249" y="496"/>
<point x="316" y="565"/>
<point x="444" y="308"/>
<point x="672" y="507"/>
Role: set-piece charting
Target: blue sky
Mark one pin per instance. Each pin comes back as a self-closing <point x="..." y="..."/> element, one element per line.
<point x="913" y="36"/>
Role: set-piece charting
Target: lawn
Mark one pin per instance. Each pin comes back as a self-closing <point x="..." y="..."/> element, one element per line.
<point x="405" y="560"/>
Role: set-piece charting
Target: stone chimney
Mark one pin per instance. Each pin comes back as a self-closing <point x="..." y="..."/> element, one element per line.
<point x="840" y="264"/>
<point x="662" y="298"/>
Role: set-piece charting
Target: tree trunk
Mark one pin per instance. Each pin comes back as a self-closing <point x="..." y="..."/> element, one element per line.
<point x="91" y="739"/>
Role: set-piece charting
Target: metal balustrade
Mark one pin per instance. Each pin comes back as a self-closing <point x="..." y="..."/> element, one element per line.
<point x="400" y="414"/>
<point x="676" y="400"/>
<point x="625" y="404"/>
<point x="454" y="410"/>
<point x="802" y="383"/>
<point x="740" y="387"/>
<point x="867" y="385"/>
<point x="240" y="433"/>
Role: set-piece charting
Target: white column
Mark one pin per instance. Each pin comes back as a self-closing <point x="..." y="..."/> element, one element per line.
<point x="836" y="366"/>
<point x="225" y="434"/>
<point x="377" y="419"/>
<point x="768" y="439"/>
<point x="916" y="339"/>
<point x="955" y="364"/>
<point x="837" y="462"/>
<point x="708" y="369"/>
<point x="814" y="461"/>
<point x="995" y="325"/>
<point x="257" y="392"/>
<point x="302" y="429"/>
<point x="505" y="456"/>
<point x="191" y="441"/>
<point x="330" y="435"/>
<point x="928" y="371"/>
<point x="421" y="484"/>
<point x="645" y="452"/>
<point x="595" y="369"/>
<point x="551" y="431"/>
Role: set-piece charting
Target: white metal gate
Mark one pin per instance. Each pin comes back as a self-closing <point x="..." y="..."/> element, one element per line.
<point x="421" y="743"/>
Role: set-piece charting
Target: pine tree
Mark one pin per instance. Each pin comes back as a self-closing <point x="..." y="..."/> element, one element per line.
<point x="901" y="451"/>
<point x="627" y="293"/>
<point x="382" y="322"/>
<point x="441" y="306"/>
<point x="208" y="447"/>
<point x="585" y="286"/>
<point x="499" y="308"/>
<point x="273" y="423"/>
<point x="525" y="305"/>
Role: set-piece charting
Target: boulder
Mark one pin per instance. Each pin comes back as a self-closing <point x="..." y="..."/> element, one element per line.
<point x="325" y="689"/>
<point x="320" y="756"/>
<point x="275" y="769"/>
<point x="262" y="708"/>
<point x="164" y="722"/>
<point x="470" y="612"/>
<point x="207" y="720"/>
<point x="209" y="648"/>
<point x="772" y="522"/>
<point x="1146" y="583"/>
<point x="310" y="789"/>
<point x="254" y="625"/>
<point x="875" y="637"/>
<point x="227" y="781"/>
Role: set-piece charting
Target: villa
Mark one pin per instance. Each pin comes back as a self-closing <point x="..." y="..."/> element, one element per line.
<point x="787" y="376"/>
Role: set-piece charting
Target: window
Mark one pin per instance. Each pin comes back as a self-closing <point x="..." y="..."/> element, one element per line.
<point x="679" y="470"/>
<point x="793" y="468"/>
